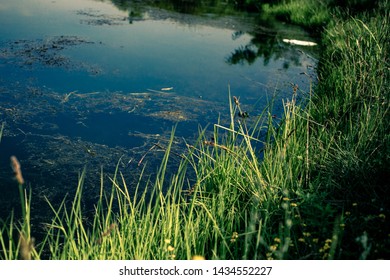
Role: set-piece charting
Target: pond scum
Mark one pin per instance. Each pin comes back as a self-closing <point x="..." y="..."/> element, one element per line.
<point x="316" y="190"/>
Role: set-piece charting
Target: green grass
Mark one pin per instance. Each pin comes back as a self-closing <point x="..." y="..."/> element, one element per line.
<point x="312" y="187"/>
<point x="311" y="14"/>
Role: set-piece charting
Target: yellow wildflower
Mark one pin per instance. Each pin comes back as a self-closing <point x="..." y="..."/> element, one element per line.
<point x="277" y="240"/>
<point x="273" y="247"/>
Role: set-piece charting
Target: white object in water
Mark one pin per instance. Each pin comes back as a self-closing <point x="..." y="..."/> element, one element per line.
<point x="167" y="88"/>
<point x="299" y="42"/>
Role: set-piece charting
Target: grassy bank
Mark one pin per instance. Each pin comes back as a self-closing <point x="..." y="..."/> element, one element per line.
<point x="314" y="187"/>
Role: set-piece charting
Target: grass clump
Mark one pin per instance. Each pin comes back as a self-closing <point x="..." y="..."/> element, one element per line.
<point x="311" y="14"/>
<point x="352" y="145"/>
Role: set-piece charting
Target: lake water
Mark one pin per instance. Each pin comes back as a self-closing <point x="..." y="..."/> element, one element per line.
<point x="89" y="83"/>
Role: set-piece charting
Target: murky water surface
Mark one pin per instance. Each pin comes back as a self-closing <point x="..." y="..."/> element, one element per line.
<point x="84" y="83"/>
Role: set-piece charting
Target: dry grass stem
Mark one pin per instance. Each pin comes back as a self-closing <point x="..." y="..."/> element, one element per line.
<point x="17" y="170"/>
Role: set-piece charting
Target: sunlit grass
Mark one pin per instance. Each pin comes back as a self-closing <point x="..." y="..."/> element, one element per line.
<point x="311" y="14"/>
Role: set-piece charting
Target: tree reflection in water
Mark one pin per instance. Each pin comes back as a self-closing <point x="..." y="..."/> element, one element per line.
<point x="267" y="36"/>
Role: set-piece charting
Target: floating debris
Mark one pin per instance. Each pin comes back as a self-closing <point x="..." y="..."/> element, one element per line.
<point x="299" y="42"/>
<point x="157" y="91"/>
<point x="66" y="98"/>
<point x="156" y="136"/>
<point x="167" y="89"/>
<point x="139" y="93"/>
<point x="47" y="52"/>
<point x="176" y="115"/>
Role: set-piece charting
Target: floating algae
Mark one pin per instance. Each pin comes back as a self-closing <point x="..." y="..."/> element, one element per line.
<point x="177" y="115"/>
<point x="46" y="52"/>
<point x="56" y="135"/>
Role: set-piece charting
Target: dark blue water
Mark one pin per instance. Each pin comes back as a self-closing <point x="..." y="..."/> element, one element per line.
<point x="83" y="83"/>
